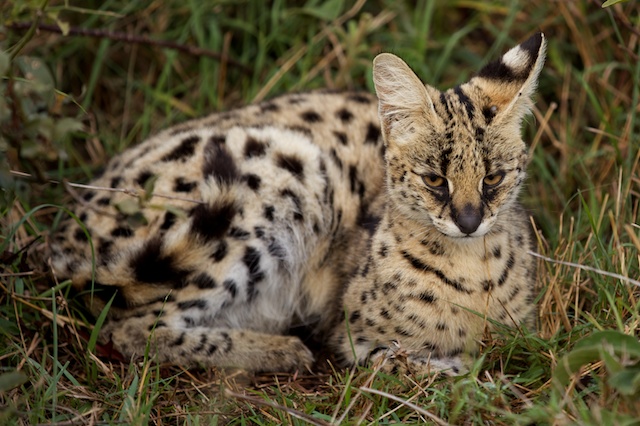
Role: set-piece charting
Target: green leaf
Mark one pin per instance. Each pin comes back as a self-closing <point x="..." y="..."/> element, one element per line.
<point x="4" y="63"/>
<point x="590" y="349"/>
<point x="609" y="3"/>
<point x="149" y="186"/>
<point x="327" y="11"/>
<point x="64" y="126"/>
<point x="128" y="206"/>
<point x="626" y="381"/>
<point x="11" y="380"/>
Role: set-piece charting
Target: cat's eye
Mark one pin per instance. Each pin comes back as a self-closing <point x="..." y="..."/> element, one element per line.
<point x="493" y="179"/>
<point x="435" y="181"/>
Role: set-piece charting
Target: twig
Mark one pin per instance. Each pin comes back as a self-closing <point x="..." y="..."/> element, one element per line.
<point x="586" y="268"/>
<point x="295" y="413"/>
<point x="128" y="191"/>
<point x="130" y="38"/>
<point x="411" y="405"/>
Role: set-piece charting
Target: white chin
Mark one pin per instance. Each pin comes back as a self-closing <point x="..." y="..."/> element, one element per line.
<point x="451" y="230"/>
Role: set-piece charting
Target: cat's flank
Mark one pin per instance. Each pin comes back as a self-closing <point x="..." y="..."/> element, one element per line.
<point x="384" y="227"/>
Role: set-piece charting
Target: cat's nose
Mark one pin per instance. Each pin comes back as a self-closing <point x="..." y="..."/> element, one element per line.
<point x="468" y="219"/>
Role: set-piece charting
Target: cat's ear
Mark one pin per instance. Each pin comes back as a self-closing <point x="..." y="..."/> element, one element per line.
<point x="511" y="81"/>
<point x="404" y="102"/>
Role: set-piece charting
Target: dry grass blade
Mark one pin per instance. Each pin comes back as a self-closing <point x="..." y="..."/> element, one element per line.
<point x="586" y="268"/>
<point x="127" y="191"/>
<point x="295" y="413"/>
<point x="411" y="405"/>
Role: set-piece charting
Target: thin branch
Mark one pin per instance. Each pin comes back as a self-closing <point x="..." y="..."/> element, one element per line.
<point x="128" y="191"/>
<point x="586" y="268"/>
<point x="130" y="38"/>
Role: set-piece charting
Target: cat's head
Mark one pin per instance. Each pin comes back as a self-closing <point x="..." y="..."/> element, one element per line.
<point x="456" y="159"/>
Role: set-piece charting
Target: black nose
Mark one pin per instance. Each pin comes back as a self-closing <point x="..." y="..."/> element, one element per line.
<point x="468" y="219"/>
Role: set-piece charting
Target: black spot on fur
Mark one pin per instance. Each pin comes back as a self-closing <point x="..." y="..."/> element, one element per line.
<point x="253" y="181"/>
<point x="195" y="303"/>
<point x="80" y="236"/>
<point x="369" y="222"/>
<point x="221" y="251"/>
<point x="104" y="249"/>
<point x="212" y="349"/>
<point x="269" y="106"/>
<point x="426" y="297"/>
<point x="238" y="233"/>
<point x="311" y="117"/>
<point x="421" y="266"/>
<point x="180" y="185"/>
<point x="106" y="292"/>
<point x="507" y="268"/>
<point x="259" y="231"/>
<point x="384" y="250"/>
<point x="336" y="158"/>
<point x="445" y="160"/>
<point x="488" y="114"/>
<point x="169" y="220"/>
<point x="217" y="140"/>
<point x="341" y="136"/>
<point x="388" y="287"/>
<point x="355" y="315"/>
<point x="441" y="326"/>
<point x="212" y="221"/>
<point x="143" y="177"/>
<point x="445" y="104"/>
<point x="292" y="164"/>
<point x="254" y="148"/>
<point x="231" y="287"/>
<point x="184" y="150"/>
<point x="180" y="340"/>
<point x="115" y="181"/>
<point x="401" y="331"/>
<point x="268" y="212"/>
<point x="122" y="232"/>
<point x="87" y="196"/>
<point x="297" y="214"/>
<point x="276" y="250"/>
<point x="219" y="164"/>
<point x="360" y="98"/>
<point x="204" y="281"/>
<point x="496" y="252"/>
<point x="151" y="265"/>
<point x="251" y="259"/>
<point x="487" y="285"/>
<point x="344" y="115"/>
<point x="353" y="178"/>
<point x="435" y="248"/>
<point x="465" y="101"/>
<point x="104" y="201"/>
<point x="373" y="133"/>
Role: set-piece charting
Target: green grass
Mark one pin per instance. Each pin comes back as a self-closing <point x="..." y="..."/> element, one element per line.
<point x="70" y="102"/>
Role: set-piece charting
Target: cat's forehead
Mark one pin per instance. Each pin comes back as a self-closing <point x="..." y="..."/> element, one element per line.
<point x="466" y="138"/>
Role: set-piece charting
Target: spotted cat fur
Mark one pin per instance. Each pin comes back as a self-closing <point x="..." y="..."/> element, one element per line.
<point x="384" y="227"/>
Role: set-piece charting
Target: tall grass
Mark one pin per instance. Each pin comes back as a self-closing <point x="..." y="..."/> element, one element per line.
<point x="126" y="69"/>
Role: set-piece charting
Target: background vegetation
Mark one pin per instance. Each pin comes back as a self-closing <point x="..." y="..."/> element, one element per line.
<point x="82" y="80"/>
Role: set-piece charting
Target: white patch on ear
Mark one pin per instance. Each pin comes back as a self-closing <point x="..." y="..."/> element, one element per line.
<point x="403" y="98"/>
<point x="518" y="58"/>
